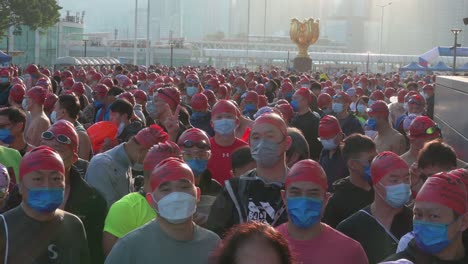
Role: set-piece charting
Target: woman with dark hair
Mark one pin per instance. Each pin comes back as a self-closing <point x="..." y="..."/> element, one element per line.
<point x="252" y="242"/>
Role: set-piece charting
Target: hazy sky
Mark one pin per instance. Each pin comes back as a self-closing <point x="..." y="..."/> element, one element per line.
<point x="410" y="26"/>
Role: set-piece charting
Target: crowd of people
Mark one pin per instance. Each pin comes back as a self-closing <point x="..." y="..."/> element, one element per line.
<point x="202" y="165"/>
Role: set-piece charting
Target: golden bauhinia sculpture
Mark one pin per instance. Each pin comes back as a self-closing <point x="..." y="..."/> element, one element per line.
<point x="304" y="34"/>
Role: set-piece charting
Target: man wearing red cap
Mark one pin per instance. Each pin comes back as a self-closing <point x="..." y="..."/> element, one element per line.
<point x="348" y="122"/>
<point x="111" y="172"/>
<point x="250" y="104"/>
<point x="196" y="151"/>
<point x="16" y="96"/>
<point x="306" y="120"/>
<point x="434" y="157"/>
<point x="133" y="210"/>
<point x="354" y="192"/>
<point x="225" y="120"/>
<point x="255" y="196"/>
<point x="415" y="105"/>
<point x="169" y="112"/>
<point x="421" y="130"/>
<point x="79" y="198"/>
<point x="310" y="240"/>
<point x="440" y="218"/>
<point x="379" y="226"/>
<point x="201" y="115"/>
<point x="331" y="157"/>
<point x="57" y="236"/>
<point x="67" y="108"/>
<point x="387" y="138"/>
<point x="38" y="121"/>
<point x="173" y="237"/>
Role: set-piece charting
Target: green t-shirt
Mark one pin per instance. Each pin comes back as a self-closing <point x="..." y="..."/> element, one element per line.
<point x="128" y="214"/>
<point x="150" y="244"/>
<point x="11" y="158"/>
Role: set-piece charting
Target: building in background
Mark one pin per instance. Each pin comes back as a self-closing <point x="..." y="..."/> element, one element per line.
<point x="43" y="46"/>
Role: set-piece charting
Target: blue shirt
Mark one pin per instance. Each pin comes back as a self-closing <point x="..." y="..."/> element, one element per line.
<point x="106" y="114"/>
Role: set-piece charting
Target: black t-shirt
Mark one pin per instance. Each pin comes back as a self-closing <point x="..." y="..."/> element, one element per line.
<point x="347" y="199"/>
<point x="351" y="125"/>
<point x="61" y="240"/>
<point x="374" y="239"/>
<point x="308" y="123"/>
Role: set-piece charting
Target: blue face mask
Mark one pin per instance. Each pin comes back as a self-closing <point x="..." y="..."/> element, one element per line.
<point x="361" y="108"/>
<point x="250" y="107"/>
<point x="346" y="86"/>
<point x="98" y="104"/>
<point x="304" y="212"/>
<point x="198" y="115"/>
<point x="191" y="90"/>
<point x="295" y="105"/>
<point x="5" y="136"/>
<point x="367" y="174"/>
<point x="327" y="111"/>
<point x="337" y="107"/>
<point x="45" y="200"/>
<point x="370" y="102"/>
<point x="224" y="126"/>
<point x="397" y="195"/>
<point x="198" y="166"/>
<point x="430" y="237"/>
<point x="4" y="80"/>
<point x="371" y="124"/>
<point x="288" y="96"/>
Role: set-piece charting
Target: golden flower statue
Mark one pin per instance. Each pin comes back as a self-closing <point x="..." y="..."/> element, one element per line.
<point x="304" y="34"/>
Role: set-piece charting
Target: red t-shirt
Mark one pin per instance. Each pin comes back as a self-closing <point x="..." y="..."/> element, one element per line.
<point x="330" y="246"/>
<point x="220" y="162"/>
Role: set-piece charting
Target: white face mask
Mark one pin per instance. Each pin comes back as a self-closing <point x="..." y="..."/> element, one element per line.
<point x="121" y="128"/>
<point x="353" y="106"/>
<point x="176" y="207"/>
<point x="53" y="117"/>
<point x="24" y="104"/>
<point x="329" y="144"/>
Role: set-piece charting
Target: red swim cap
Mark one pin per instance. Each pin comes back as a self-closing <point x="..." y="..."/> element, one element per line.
<point x="384" y="163"/>
<point x="41" y="158"/>
<point x="445" y="189"/>
<point x="170" y="169"/>
<point x="307" y="170"/>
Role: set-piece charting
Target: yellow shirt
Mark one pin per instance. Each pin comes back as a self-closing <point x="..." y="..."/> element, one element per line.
<point x="128" y="214"/>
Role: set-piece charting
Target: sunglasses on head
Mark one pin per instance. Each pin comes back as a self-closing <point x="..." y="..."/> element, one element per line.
<point x="199" y="144"/>
<point x="60" y="138"/>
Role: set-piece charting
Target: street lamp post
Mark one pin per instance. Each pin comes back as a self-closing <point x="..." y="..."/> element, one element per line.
<point x="85" y="46"/>
<point x="455" y="45"/>
<point x="171" y="44"/>
<point x="135" y="34"/>
<point x="367" y="64"/>
<point x="381" y="25"/>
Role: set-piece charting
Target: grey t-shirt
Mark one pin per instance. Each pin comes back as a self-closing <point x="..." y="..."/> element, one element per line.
<point x="150" y="244"/>
<point x="59" y="241"/>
